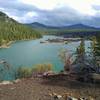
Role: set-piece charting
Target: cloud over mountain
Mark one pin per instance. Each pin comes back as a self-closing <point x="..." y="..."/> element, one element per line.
<point x="53" y="12"/>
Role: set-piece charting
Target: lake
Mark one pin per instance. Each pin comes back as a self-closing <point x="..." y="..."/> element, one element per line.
<point x="32" y="52"/>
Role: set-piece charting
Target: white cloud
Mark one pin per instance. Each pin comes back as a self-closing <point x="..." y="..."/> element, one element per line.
<point x="42" y="4"/>
<point x="31" y="14"/>
<point x="28" y="17"/>
<point x="82" y="6"/>
<point x="53" y="12"/>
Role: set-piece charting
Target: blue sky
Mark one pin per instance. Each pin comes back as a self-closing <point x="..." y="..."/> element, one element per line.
<point x="53" y="12"/>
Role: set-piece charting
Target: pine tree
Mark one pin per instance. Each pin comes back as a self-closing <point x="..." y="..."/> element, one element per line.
<point x="96" y="50"/>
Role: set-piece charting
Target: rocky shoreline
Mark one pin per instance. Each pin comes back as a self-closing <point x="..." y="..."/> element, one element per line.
<point x="7" y="45"/>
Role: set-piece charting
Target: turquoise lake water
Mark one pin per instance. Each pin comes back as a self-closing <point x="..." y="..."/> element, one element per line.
<point x="32" y="52"/>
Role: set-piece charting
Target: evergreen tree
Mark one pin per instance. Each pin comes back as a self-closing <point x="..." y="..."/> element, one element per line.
<point x="11" y="30"/>
<point x="96" y="50"/>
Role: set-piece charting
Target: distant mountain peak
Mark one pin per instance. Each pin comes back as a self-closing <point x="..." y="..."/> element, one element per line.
<point x="38" y="24"/>
<point x="81" y="26"/>
<point x="75" y="26"/>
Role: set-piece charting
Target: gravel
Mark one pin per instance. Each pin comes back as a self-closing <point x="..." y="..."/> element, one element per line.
<point x="40" y="89"/>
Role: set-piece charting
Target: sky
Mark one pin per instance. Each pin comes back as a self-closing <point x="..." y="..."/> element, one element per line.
<point x="53" y="12"/>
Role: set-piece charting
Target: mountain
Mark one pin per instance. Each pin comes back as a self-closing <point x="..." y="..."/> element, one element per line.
<point x="41" y="26"/>
<point x="76" y="26"/>
<point x="80" y="26"/>
<point x="6" y="18"/>
<point x="37" y="25"/>
<point x="12" y="30"/>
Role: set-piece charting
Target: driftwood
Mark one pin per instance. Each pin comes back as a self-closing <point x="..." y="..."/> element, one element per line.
<point x="56" y="76"/>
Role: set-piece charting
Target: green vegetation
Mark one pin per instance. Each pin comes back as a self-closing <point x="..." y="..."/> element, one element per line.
<point x="11" y="30"/>
<point x="81" y="49"/>
<point x="25" y="72"/>
<point x="66" y="31"/>
<point x="81" y="54"/>
<point x="66" y="57"/>
<point x="96" y="50"/>
<point x="41" y="68"/>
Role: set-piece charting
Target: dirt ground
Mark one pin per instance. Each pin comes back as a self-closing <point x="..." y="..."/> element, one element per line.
<point x="40" y="89"/>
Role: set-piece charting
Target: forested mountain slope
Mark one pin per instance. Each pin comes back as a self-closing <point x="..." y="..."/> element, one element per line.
<point x="12" y="30"/>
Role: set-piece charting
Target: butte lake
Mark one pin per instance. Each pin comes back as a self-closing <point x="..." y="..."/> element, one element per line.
<point x="32" y="52"/>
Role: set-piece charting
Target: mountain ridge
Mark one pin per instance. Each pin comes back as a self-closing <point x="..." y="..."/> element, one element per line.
<point x="74" y="26"/>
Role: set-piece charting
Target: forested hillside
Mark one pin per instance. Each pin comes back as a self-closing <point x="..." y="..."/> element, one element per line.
<point x="11" y="30"/>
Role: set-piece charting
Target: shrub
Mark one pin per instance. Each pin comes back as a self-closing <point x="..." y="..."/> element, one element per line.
<point x="23" y="72"/>
<point x="42" y="68"/>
